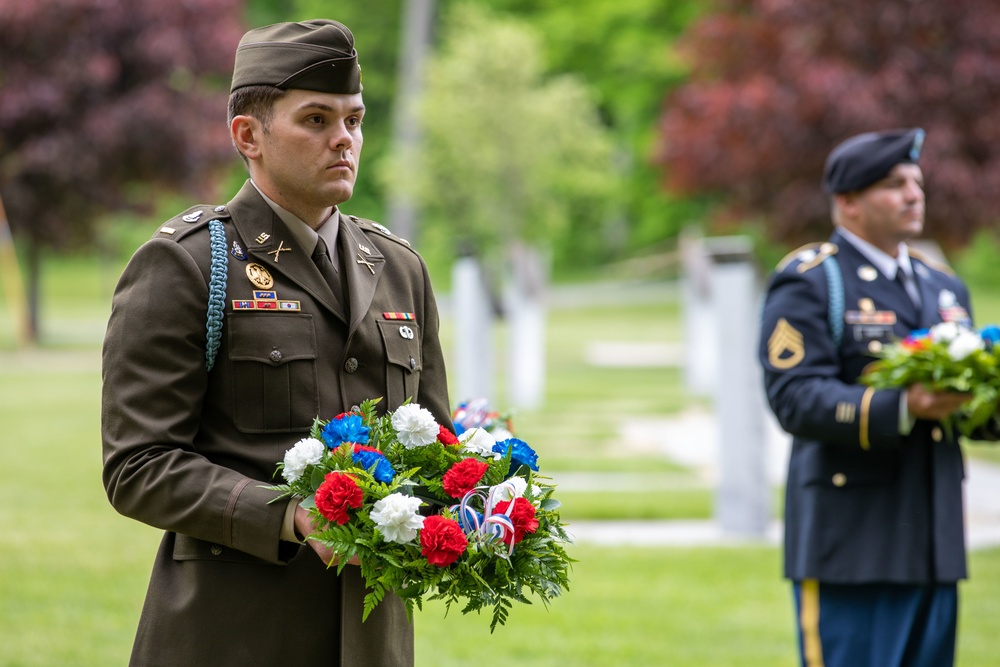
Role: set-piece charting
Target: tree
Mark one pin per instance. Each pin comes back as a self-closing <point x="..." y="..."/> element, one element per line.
<point x="97" y="97"/>
<point x="510" y="160"/>
<point x="509" y="153"/>
<point x="620" y="51"/>
<point x="775" y="84"/>
<point x="623" y="50"/>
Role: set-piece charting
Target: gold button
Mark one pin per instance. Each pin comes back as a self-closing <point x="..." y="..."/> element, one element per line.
<point x="216" y="550"/>
<point x="875" y="347"/>
<point x="839" y="479"/>
<point x="936" y="434"/>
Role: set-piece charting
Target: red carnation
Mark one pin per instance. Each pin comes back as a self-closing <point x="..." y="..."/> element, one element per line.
<point x="463" y="477"/>
<point x="338" y="493"/>
<point x="442" y="541"/>
<point x="365" y="448"/>
<point x="522" y="514"/>
<point x="446" y="437"/>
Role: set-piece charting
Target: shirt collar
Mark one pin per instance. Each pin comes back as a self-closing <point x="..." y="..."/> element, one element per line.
<point x="305" y="236"/>
<point x="884" y="262"/>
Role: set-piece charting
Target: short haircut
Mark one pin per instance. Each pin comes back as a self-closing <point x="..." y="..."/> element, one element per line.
<point x="255" y="101"/>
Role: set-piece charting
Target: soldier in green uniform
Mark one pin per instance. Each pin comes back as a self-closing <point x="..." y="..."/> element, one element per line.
<point x="231" y="329"/>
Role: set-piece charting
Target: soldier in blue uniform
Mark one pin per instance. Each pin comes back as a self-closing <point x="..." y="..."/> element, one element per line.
<point x="874" y="533"/>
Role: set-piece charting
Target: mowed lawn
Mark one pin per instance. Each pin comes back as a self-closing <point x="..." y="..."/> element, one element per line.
<point x="73" y="572"/>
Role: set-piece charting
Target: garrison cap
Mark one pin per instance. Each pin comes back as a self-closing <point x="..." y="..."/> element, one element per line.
<point x="312" y="55"/>
<point x="866" y="158"/>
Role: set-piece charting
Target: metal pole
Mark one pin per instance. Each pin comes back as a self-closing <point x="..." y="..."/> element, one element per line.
<point x="417" y="29"/>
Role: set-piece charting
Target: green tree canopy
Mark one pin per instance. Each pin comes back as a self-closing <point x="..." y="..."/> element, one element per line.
<point x="508" y="152"/>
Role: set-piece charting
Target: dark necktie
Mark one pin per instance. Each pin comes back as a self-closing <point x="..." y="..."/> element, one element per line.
<point x="910" y="285"/>
<point x="321" y="257"/>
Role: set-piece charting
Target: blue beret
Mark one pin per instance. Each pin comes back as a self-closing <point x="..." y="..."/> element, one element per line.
<point x="867" y="158"/>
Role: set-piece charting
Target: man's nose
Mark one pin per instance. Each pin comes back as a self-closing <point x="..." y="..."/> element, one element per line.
<point x="341" y="138"/>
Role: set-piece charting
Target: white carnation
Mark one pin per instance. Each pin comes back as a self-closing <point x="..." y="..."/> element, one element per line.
<point x="479" y="441"/>
<point x="416" y="427"/>
<point x="397" y="517"/>
<point x="308" y="451"/>
<point x="512" y="488"/>
<point x="945" y="332"/>
<point x="964" y="344"/>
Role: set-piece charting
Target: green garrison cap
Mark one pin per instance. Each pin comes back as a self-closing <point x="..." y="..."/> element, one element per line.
<point x="312" y="55"/>
<point x="867" y="158"/>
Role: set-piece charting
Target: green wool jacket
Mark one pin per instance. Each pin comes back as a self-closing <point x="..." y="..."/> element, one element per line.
<point x="189" y="451"/>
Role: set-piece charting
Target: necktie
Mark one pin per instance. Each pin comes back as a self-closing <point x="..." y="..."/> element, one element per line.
<point x="909" y="284"/>
<point x="321" y="257"/>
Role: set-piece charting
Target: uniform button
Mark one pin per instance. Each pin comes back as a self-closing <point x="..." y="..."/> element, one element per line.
<point x="839" y="479"/>
<point x="275" y="356"/>
<point x="936" y="434"/>
<point x="351" y="365"/>
<point x="875" y="346"/>
<point x="413" y="363"/>
<point x="216" y="550"/>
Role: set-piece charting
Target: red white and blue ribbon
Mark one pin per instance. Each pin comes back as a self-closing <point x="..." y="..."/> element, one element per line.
<point x="490" y="525"/>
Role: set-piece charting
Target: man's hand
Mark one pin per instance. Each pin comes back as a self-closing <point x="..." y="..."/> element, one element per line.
<point x="933" y="405"/>
<point x="304" y="526"/>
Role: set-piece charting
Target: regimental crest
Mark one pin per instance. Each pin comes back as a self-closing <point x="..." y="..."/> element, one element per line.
<point x="785" y="347"/>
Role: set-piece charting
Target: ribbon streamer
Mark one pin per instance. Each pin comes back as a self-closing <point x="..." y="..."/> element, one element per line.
<point x="489" y="526"/>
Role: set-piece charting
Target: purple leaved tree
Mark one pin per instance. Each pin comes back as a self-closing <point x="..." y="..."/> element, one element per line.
<point x="98" y="95"/>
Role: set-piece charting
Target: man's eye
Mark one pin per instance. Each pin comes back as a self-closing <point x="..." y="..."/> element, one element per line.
<point x="315" y="120"/>
<point x="354" y="122"/>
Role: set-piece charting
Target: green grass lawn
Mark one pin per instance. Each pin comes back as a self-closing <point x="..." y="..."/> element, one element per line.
<point x="73" y="573"/>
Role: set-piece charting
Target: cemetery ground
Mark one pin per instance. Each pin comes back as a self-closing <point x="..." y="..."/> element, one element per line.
<point x="73" y="572"/>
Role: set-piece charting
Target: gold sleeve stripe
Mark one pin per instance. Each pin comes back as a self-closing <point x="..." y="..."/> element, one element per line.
<point x="812" y="647"/>
<point x="866" y="403"/>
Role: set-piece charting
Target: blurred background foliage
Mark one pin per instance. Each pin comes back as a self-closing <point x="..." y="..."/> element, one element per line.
<point x="598" y="129"/>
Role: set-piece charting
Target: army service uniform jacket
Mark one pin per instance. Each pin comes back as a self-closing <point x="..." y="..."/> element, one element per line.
<point x="189" y="451"/>
<point x="864" y="503"/>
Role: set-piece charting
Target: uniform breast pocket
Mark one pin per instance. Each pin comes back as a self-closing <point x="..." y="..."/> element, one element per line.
<point x="274" y="372"/>
<point x="403" y="362"/>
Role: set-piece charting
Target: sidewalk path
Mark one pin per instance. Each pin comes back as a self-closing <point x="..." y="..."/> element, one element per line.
<point x="689" y="439"/>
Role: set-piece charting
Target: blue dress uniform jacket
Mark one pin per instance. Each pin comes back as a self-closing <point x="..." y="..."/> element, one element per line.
<point x="863" y="503"/>
<point x="190" y="451"/>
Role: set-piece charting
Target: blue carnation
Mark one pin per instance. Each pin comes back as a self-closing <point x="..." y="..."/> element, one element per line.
<point x="383" y="471"/>
<point x="348" y="428"/>
<point x="991" y="334"/>
<point x="520" y="454"/>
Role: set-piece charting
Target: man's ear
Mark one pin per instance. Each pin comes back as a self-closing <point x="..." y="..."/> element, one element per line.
<point x="847" y="202"/>
<point x="246" y="132"/>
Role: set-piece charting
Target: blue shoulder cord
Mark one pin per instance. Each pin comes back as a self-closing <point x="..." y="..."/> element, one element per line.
<point x="216" y="290"/>
<point x="835" y="286"/>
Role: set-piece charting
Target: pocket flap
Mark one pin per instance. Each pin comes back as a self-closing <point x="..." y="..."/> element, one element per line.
<point x="402" y="343"/>
<point x="191" y="548"/>
<point x="274" y="338"/>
